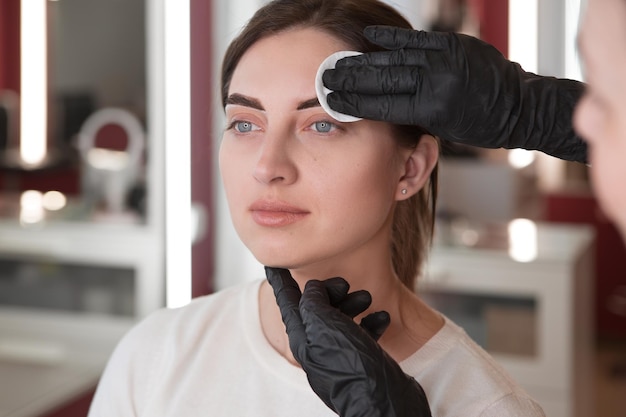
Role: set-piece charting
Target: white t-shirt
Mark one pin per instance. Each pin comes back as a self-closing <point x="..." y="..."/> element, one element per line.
<point x="211" y="358"/>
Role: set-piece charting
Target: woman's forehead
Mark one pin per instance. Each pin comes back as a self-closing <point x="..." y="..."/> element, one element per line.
<point x="288" y="59"/>
<point x="301" y="46"/>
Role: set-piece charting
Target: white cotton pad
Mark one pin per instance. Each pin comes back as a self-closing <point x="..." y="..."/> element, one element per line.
<point x="322" y="92"/>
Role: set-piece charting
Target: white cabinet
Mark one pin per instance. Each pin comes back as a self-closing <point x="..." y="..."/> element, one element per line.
<point x="534" y="317"/>
<point x="134" y="249"/>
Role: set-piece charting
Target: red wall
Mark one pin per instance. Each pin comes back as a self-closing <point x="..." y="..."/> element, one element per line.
<point x="77" y="407"/>
<point x="201" y="141"/>
<point x="610" y="256"/>
<point x="496" y="27"/>
<point x="10" y="45"/>
<point x="494" y="22"/>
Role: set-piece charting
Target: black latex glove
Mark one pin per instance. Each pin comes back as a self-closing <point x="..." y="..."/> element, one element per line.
<point x="459" y="88"/>
<point x="345" y="366"/>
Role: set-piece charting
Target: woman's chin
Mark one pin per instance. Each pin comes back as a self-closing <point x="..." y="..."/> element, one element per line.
<point x="275" y="260"/>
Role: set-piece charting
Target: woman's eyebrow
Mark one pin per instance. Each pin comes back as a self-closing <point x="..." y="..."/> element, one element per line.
<point x="241" y="100"/>
<point x="307" y="104"/>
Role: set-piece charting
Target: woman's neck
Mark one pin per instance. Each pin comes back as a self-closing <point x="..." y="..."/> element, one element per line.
<point x="413" y="323"/>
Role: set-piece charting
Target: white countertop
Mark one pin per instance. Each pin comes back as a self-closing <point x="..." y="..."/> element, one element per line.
<point x="550" y="241"/>
<point x="105" y="244"/>
<point x="49" y="358"/>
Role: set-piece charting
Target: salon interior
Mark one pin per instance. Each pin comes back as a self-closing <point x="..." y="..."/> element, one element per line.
<point x="111" y="206"/>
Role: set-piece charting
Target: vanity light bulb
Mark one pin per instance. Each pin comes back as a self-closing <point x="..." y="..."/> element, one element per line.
<point x="34" y="86"/>
<point x="31" y="207"/>
<point x="54" y="200"/>
<point x="521" y="158"/>
<point x="522" y="240"/>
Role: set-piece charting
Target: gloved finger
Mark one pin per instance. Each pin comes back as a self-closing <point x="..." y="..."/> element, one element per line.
<point x="398" y="108"/>
<point x="399" y="57"/>
<point x="329" y="328"/>
<point x="315" y="294"/>
<point x="390" y="37"/>
<point x="355" y="303"/>
<point x="373" y="80"/>
<point x="315" y="300"/>
<point x="288" y="296"/>
<point x="376" y="323"/>
<point x="320" y="318"/>
<point x="337" y="289"/>
<point x="351" y="304"/>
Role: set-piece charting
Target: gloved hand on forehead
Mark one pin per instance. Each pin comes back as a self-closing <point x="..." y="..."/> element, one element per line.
<point x="344" y="364"/>
<point x="460" y="89"/>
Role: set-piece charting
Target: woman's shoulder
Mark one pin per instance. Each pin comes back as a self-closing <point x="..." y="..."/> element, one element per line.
<point x="513" y="405"/>
<point x="204" y="308"/>
<point x="191" y="320"/>
<point x="452" y="345"/>
<point x="457" y="373"/>
<point x="156" y="347"/>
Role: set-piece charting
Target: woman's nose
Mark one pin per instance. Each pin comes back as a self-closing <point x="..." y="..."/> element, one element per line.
<point x="275" y="164"/>
<point x="587" y="118"/>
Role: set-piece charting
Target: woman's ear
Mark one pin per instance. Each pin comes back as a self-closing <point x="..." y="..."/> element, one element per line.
<point x="418" y="164"/>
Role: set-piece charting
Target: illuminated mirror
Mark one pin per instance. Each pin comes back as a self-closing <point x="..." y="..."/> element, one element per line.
<point x="73" y="57"/>
<point x="64" y="61"/>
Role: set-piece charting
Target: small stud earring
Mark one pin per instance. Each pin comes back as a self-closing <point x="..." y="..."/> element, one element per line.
<point x="404" y="191"/>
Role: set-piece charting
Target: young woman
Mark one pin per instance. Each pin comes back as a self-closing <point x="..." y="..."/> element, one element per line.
<point x="319" y="199"/>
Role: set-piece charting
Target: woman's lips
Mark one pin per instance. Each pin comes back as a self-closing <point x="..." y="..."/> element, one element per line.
<point x="276" y="214"/>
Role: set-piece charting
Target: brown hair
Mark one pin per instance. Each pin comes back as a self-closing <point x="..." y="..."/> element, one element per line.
<point x="413" y="221"/>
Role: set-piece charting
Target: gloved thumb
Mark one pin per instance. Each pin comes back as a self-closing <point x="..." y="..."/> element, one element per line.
<point x="376" y="323"/>
<point x="288" y="296"/>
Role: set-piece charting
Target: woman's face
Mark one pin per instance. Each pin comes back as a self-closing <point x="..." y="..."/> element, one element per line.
<point x="303" y="190"/>
<point x="600" y="117"/>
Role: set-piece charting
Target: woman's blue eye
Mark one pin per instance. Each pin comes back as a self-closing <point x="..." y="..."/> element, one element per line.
<point x="323" y="127"/>
<point x="244" y="127"/>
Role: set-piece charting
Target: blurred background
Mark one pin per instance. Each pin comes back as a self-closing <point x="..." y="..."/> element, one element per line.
<point x="111" y="206"/>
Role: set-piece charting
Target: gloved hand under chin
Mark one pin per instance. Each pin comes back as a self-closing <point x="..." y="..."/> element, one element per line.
<point x="459" y="88"/>
<point x="344" y="364"/>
